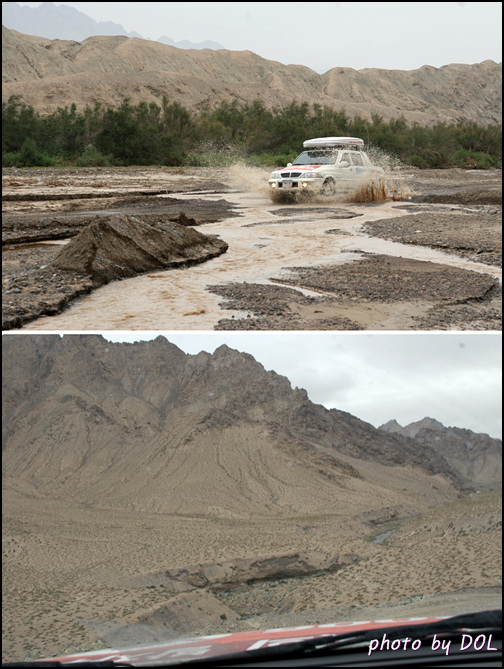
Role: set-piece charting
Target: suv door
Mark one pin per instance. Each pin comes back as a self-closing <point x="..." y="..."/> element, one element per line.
<point x="358" y="163"/>
<point x="346" y="172"/>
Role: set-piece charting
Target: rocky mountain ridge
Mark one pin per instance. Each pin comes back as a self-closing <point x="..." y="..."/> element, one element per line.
<point x="478" y="457"/>
<point x="147" y="426"/>
<point x="49" y="74"/>
<point x="57" y="22"/>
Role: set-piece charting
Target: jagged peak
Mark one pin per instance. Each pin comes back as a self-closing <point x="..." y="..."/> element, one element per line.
<point x="391" y="425"/>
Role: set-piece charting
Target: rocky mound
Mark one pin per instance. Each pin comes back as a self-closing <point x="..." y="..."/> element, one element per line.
<point x="234" y="573"/>
<point x="124" y="246"/>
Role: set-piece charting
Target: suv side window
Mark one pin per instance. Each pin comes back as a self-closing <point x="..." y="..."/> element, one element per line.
<point x="345" y="155"/>
<point x="357" y="159"/>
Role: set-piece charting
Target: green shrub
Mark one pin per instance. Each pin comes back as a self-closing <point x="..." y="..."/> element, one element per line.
<point x="92" y="157"/>
<point x="475" y="160"/>
<point x="149" y="134"/>
<point x="11" y="159"/>
<point x="271" y="159"/>
<point x="214" y="153"/>
<point x="417" y="161"/>
<point x="30" y="156"/>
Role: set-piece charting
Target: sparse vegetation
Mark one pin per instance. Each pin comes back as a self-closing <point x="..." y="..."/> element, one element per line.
<point x="149" y="134"/>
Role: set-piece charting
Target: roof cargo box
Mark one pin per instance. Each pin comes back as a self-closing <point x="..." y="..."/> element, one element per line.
<point x="327" y="142"/>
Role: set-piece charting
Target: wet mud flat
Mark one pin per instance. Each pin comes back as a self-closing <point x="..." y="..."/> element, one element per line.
<point x="374" y="292"/>
<point x="453" y="211"/>
<point x="40" y="208"/>
<point x="456" y="212"/>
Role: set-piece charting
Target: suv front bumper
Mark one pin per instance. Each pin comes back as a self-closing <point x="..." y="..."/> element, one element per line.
<point x="313" y="185"/>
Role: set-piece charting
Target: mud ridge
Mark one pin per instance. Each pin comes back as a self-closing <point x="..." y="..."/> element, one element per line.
<point x="106" y="250"/>
<point x="48" y="197"/>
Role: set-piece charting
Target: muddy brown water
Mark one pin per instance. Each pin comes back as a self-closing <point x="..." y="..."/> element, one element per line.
<point x="265" y="239"/>
<point x="262" y="244"/>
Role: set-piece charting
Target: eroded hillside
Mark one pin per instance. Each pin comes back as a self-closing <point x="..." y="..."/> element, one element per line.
<point x="144" y="426"/>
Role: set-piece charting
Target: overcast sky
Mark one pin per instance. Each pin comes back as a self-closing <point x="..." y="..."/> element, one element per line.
<point x="454" y="378"/>
<point x="322" y="35"/>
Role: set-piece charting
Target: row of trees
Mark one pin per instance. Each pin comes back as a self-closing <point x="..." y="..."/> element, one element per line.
<point x="149" y="134"/>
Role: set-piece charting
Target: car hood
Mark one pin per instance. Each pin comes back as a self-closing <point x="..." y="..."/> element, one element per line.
<point x="203" y="648"/>
<point x="301" y="168"/>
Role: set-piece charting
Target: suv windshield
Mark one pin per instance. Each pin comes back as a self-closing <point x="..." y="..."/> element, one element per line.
<point x="316" y="158"/>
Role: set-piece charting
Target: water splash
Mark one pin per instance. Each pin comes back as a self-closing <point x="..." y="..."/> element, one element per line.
<point x="397" y="176"/>
<point x="248" y="179"/>
<point x="215" y="153"/>
<point x="375" y="190"/>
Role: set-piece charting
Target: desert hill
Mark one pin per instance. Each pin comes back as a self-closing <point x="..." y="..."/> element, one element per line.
<point x="48" y="74"/>
<point x="145" y="426"/>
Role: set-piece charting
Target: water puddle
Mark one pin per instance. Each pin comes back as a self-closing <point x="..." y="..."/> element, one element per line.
<point x="262" y="243"/>
<point x="34" y="245"/>
<point x="382" y="537"/>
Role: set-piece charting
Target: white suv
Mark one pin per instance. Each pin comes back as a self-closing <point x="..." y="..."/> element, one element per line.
<point x="329" y="165"/>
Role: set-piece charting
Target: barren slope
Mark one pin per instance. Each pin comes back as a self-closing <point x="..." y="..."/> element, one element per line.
<point x="48" y="74"/>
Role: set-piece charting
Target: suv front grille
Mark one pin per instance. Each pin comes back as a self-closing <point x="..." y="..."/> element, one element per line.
<point x="290" y="175"/>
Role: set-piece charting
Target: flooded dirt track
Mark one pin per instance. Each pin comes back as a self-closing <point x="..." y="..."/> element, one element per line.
<point x="430" y="261"/>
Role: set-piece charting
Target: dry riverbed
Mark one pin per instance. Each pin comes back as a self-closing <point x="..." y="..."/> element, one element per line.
<point x="430" y="259"/>
<point x="78" y="578"/>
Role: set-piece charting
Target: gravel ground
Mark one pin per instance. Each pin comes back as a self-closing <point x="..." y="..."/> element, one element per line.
<point x="453" y="298"/>
<point x="31" y="287"/>
<point x="284" y="309"/>
<point x="276" y="308"/>
<point x="451" y="604"/>
<point x="475" y="234"/>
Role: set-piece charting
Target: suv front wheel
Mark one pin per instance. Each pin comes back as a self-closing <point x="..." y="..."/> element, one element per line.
<point x="329" y="186"/>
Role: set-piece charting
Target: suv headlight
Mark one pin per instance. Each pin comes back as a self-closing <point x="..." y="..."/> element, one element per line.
<point x="311" y="175"/>
<point x="275" y="175"/>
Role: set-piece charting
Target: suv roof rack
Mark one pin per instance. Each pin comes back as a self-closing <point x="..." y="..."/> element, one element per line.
<point x="327" y="142"/>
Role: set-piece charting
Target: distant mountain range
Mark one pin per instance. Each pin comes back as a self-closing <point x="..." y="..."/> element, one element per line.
<point x="67" y="23"/>
<point x="149" y="426"/>
<point x="477" y="457"/>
